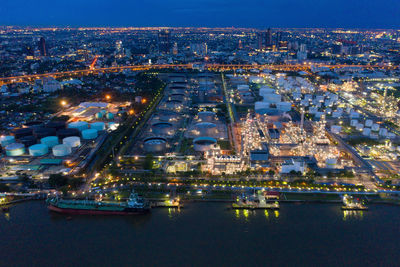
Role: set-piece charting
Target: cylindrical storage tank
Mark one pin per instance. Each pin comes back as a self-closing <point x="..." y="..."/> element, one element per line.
<point x="68" y="132"/>
<point x="154" y="144"/>
<point x="366" y="131"/>
<point x="6" y="140"/>
<point x="28" y="140"/>
<point x="205" y="129"/>
<point x="109" y="116"/>
<point x="38" y="150"/>
<point x="99" y="126"/>
<point x="58" y="125"/>
<point x="368" y="123"/>
<point x="375" y="127"/>
<point x="203" y="144"/>
<point x="61" y="150"/>
<point x="162" y="128"/>
<point x="359" y="127"/>
<point x="21" y="132"/>
<point x="33" y="124"/>
<point x="49" y="141"/>
<point x="331" y="163"/>
<point x="15" y="149"/>
<point x="353" y="123"/>
<point x="206" y="116"/>
<point x="80" y="125"/>
<point x="72" y="141"/>
<point x="383" y="132"/>
<point x="89" y="134"/>
<point x="167" y="116"/>
<point x="44" y="132"/>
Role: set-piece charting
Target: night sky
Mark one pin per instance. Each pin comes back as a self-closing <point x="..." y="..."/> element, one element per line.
<point x="208" y="13"/>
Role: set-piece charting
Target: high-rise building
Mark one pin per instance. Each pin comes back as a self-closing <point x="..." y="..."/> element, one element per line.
<point x="42" y="47"/>
<point x="164" y="41"/>
<point x="278" y="39"/>
<point x="260" y="40"/>
<point x="268" y="38"/>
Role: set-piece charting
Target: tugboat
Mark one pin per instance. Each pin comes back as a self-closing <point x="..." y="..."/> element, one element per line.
<point x="133" y="206"/>
<point x="351" y="203"/>
<point x="258" y="201"/>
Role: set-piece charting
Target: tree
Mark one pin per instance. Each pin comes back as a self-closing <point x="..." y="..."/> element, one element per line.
<point x="57" y="180"/>
<point x="148" y="162"/>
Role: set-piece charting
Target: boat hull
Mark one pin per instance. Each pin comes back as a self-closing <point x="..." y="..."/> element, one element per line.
<point x="124" y="212"/>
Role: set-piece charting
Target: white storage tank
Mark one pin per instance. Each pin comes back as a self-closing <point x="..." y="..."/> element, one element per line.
<point x="89" y="134"/>
<point x="359" y="126"/>
<point x="353" y="123"/>
<point x="61" y="150"/>
<point x="383" y="132"/>
<point x="336" y="129"/>
<point x="49" y="141"/>
<point x="366" y="131"/>
<point x="331" y="163"/>
<point x="38" y="150"/>
<point x="80" y="125"/>
<point x="15" y="149"/>
<point x="6" y="140"/>
<point x="375" y="127"/>
<point x="72" y="141"/>
<point x="99" y="126"/>
<point x="368" y="123"/>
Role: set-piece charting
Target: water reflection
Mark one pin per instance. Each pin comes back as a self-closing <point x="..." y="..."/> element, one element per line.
<point x="246" y="213"/>
<point x="353" y="214"/>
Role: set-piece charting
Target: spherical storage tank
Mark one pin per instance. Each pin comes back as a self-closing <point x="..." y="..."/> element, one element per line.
<point x="204" y="143"/>
<point x="99" y="115"/>
<point x="38" y="150"/>
<point x="61" y="150"/>
<point x="15" y="149"/>
<point x="154" y="144"/>
<point x="109" y="116"/>
<point x="99" y="126"/>
<point x="206" y="129"/>
<point x="72" y="141"/>
<point x="6" y="140"/>
<point x="89" y="134"/>
<point x="162" y="128"/>
<point x="49" y="141"/>
<point x="80" y="125"/>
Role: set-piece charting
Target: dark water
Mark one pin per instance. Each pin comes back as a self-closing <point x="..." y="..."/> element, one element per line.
<point x="203" y="234"/>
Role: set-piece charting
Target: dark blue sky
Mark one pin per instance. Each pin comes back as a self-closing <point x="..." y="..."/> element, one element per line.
<point x="210" y="13"/>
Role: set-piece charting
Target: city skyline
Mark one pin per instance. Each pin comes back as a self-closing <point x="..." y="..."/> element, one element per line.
<point x="204" y="13"/>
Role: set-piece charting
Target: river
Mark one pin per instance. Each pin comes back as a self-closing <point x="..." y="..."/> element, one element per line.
<point x="203" y="234"/>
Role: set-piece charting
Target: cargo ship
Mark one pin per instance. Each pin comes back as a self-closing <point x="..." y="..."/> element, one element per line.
<point x="133" y="206"/>
<point x="351" y="203"/>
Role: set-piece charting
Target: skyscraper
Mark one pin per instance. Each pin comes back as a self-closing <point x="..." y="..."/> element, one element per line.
<point x="260" y="40"/>
<point x="268" y="38"/>
<point x="42" y="47"/>
<point x="164" y="41"/>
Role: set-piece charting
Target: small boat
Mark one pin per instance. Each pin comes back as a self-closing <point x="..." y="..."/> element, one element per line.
<point x="351" y="203"/>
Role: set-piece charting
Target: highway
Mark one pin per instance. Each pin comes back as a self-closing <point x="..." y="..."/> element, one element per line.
<point x="213" y="67"/>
